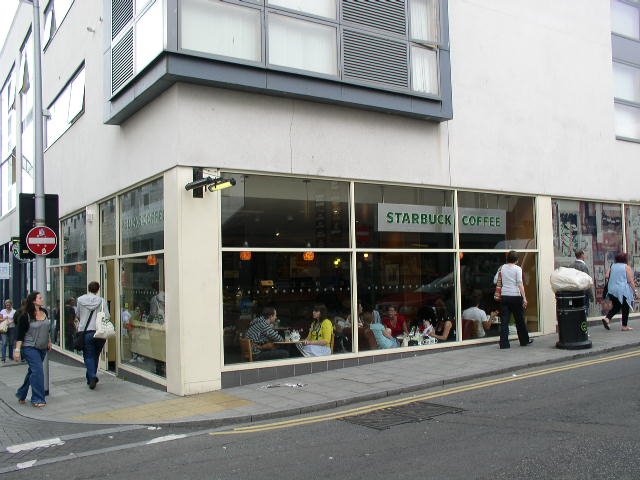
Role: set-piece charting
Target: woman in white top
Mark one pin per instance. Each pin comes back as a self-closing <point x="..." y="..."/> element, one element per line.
<point x="514" y="300"/>
<point x="8" y="338"/>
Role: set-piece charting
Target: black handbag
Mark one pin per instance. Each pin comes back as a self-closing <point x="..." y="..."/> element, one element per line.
<point x="78" y="337"/>
<point x="605" y="290"/>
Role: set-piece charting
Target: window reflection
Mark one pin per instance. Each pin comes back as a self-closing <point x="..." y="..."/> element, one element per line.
<point x="477" y="272"/>
<point x="403" y="217"/>
<point x="492" y="221"/>
<point x="74" y="278"/>
<point x="407" y="293"/>
<point x="263" y="211"/>
<point x="293" y="286"/>
<point x="142" y="315"/>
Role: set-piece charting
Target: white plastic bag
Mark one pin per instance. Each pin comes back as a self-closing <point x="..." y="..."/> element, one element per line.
<point x="104" y="327"/>
<point x="570" y="280"/>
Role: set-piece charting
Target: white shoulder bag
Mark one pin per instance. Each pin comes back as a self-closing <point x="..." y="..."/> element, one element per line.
<point x="104" y="327"/>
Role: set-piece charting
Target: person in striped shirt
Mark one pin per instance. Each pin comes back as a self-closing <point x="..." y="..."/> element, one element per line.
<point x="262" y="335"/>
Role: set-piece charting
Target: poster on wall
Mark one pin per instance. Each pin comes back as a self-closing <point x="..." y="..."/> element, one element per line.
<point x="567" y="230"/>
<point x="586" y="243"/>
<point x="598" y="276"/>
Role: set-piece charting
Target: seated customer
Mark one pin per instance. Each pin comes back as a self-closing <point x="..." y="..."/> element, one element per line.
<point x="382" y="334"/>
<point x="262" y="335"/>
<point x="481" y="321"/>
<point x="318" y="342"/>
<point x="396" y="322"/>
<point x="442" y="330"/>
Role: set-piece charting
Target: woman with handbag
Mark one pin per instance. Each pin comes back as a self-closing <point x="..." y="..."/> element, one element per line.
<point x="7" y="324"/>
<point x="90" y="305"/>
<point x="620" y="290"/>
<point x="514" y="300"/>
<point x="32" y="344"/>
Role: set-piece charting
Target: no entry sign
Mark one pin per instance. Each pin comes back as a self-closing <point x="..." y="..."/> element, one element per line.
<point x="41" y="240"/>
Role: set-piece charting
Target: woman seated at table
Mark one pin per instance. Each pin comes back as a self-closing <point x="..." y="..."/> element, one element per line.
<point x="382" y="334"/>
<point x="442" y="329"/>
<point x="318" y="342"/>
<point x="396" y="322"/>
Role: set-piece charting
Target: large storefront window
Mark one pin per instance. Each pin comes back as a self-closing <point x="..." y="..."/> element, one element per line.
<point x="291" y="282"/>
<point x="74" y="273"/>
<point x="142" y="291"/>
<point x="403" y="217"/>
<point x="289" y="243"/>
<point x="279" y="212"/>
<point x="480" y="312"/>
<point x="595" y="228"/>
<point x="142" y="315"/>
<point x="489" y="221"/>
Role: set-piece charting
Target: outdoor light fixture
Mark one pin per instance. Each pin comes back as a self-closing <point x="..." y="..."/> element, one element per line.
<point x="211" y="183"/>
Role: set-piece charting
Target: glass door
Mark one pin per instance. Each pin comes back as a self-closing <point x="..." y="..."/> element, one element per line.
<point x="108" y="291"/>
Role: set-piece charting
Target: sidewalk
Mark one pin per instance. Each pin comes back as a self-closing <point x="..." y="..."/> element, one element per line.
<point x="116" y="401"/>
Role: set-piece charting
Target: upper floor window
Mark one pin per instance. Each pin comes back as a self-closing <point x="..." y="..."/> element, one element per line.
<point x="66" y="108"/>
<point x="626" y="82"/>
<point x="424" y="25"/>
<point x="392" y="45"/>
<point x="625" y="18"/>
<point x="8" y="116"/>
<point x="54" y="14"/>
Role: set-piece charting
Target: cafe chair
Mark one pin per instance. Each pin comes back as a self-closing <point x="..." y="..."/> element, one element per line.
<point x="467" y="329"/>
<point x="246" y="349"/>
<point x="372" y="344"/>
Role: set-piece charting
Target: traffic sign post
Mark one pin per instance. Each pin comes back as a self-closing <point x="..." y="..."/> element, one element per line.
<point x="42" y="240"/>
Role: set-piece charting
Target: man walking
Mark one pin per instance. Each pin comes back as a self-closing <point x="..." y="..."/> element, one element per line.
<point x="580" y="264"/>
<point x="88" y="307"/>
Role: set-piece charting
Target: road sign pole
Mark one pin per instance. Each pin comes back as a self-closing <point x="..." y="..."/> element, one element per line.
<point x="38" y="117"/>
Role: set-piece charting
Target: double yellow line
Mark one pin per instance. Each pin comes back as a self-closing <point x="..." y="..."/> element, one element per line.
<point x="426" y="396"/>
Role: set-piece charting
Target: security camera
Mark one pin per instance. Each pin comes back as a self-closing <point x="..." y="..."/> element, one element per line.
<point x="210" y="183"/>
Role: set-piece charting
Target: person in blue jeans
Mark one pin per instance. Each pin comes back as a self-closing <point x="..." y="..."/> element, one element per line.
<point x="8" y="338"/>
<point x="33" y="343"/>
<point x="89" y="305"/>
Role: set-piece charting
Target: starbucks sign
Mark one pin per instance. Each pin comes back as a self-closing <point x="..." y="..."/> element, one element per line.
<point x="394" y="217"/>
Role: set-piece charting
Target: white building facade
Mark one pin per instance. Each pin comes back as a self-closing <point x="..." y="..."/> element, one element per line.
<point x="385" y="153"/>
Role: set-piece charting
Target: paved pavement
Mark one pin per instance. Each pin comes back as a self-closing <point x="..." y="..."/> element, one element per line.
<point x="119" y="402"/>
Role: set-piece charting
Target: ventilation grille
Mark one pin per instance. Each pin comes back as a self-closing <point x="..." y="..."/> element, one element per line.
<point x="374" y="59"/>
<point x="121" y="14"/>
<point x="122" y="61"/>
<point x="387" y="15"/>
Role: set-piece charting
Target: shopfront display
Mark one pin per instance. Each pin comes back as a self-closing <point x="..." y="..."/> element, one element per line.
<point x="289" y="243"/>
<point x="595" y="228"/>
<point x="142" y="278"/>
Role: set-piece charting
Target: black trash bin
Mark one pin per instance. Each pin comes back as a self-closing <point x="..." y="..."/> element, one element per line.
<point x="572" y="321"/>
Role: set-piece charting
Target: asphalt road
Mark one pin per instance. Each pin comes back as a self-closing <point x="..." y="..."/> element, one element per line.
<point x="566" y="423"/>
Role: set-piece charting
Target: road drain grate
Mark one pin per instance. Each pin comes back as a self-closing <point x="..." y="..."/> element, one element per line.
<point x="411" y="413"/>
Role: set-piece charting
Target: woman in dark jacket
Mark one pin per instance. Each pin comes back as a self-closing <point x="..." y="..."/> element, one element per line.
<point x="32" y="343"/>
